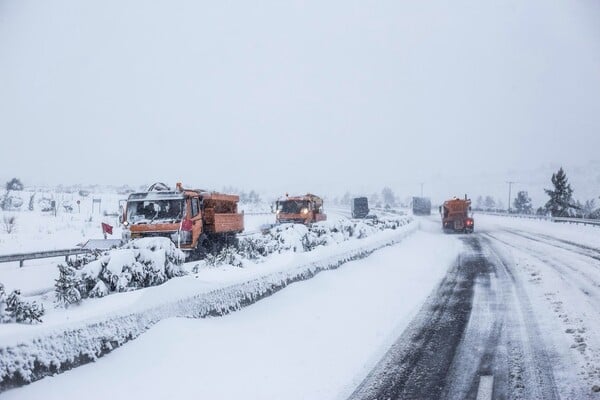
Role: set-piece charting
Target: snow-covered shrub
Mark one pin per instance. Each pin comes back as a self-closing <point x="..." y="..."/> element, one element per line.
<point x="14" y="309"/>
<point x="228" y="255"/>
<point x="45" y="204"/>
<point x="140" y="263"/>
<point x="300" y="238"/>
<point x="4" y="316"/>
<point x="11" y="202"/>
<point x="252" y="248"/>
<point x="66" y="287"/>
<point x="99" y="290"/>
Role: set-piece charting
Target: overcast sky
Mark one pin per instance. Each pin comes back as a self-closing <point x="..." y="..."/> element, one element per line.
<point x="297" y="96"/>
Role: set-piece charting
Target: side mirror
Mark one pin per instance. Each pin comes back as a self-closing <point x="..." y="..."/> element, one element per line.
<point x="440" y="209"/>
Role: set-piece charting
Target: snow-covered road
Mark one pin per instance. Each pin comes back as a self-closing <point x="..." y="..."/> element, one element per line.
<point x="521" y="312"/>
<point x="314" y="340"/>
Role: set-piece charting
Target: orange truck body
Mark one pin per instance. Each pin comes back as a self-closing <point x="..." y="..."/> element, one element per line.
<point x="305" y="209"/>
<point x="456" y="215"/>
<point x="186" y="216"/>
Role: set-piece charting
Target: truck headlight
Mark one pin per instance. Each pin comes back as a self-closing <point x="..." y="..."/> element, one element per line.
<point x="304" y="210"/>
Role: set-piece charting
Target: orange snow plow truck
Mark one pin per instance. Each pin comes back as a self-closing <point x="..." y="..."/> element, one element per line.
<point x="300" y="209"/>
<point x="195" y="220"/>
<point x="456" y="215"/>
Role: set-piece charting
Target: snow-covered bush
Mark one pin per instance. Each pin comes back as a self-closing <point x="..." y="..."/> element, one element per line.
<point x="14" y="309"/>
<point x="4" y="316"/>
<point x="66" y="288"/>
<point x="45" y="204"/>
<point x="300" y="238"/>
<point x="11" y="202"/>
<point x="228" y="255"/>
<point x="140" y="263"/>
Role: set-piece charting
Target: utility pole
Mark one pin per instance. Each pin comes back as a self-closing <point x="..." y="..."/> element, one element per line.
<point x="510" y="183"/>
<point x="422" y="183"/>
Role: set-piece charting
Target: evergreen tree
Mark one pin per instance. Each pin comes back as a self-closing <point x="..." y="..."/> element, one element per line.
<point x="22" y="311"/>
<point x="66" y="286"/>
<point x="522" y="203"/>
<point x="561" y="197"/>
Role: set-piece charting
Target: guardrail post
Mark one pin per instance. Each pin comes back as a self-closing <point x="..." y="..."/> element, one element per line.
<point x="21" y="261"/>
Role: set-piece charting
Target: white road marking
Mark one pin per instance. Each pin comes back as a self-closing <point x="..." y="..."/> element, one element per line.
<point x="486" y="387"/>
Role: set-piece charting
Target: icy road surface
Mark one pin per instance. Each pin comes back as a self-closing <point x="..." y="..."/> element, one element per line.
<point x="517" y="318"/>
<point x="314" y="340"/>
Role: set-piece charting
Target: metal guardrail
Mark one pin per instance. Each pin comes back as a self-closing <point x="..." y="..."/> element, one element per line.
<point x="583" y="221"/>
<point x="22" y="257"/>
<point x="569" y="220"/>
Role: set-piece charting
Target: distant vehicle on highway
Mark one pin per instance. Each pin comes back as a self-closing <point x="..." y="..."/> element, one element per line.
<point x="360" y="207"/>
<point x="421" y="206"/>
<point x="456" y="215"/>
<point x="305" y="209"/>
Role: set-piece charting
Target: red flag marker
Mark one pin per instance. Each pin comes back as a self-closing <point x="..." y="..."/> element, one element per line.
<point x="106" y="228"/>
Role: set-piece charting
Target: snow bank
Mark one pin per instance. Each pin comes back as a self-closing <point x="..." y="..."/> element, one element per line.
<point x="301" y="238"/>
<point x="29" y="356"/>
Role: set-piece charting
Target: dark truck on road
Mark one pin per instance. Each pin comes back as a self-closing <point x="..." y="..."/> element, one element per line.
<point x="360" y="207"/>
<point x="421" y="206"/>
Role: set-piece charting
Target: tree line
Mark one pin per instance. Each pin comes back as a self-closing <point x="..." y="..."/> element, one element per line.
<point x="561" y="202"/>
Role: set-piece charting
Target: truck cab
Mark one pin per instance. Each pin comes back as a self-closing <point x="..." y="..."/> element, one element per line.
<point x="305" y="209"/>
<point x="189" y="217"/>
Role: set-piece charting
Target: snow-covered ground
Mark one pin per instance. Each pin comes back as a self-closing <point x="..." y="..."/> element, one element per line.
<point x="586" y="235"/>
<point x="320" y="337"/>
<point x="315" y="340"/>
<point x="37" y="276"/>
<point x="559" y="268"/>
<point x="38" y="230"/>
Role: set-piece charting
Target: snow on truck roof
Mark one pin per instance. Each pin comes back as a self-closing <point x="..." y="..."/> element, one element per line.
<point x="306" y="197"/>
<point x="177" y="195"/>
<point x="162" y="195"/>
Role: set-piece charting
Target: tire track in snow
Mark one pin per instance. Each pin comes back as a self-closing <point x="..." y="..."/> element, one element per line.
<point x="570" y="246"/>
<point x="571" y="275"/>
<point x="478" y="322"/>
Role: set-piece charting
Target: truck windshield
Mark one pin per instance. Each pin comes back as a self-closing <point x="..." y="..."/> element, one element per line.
<point x="291" y="206"/>
<point x="149" y="211"/>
